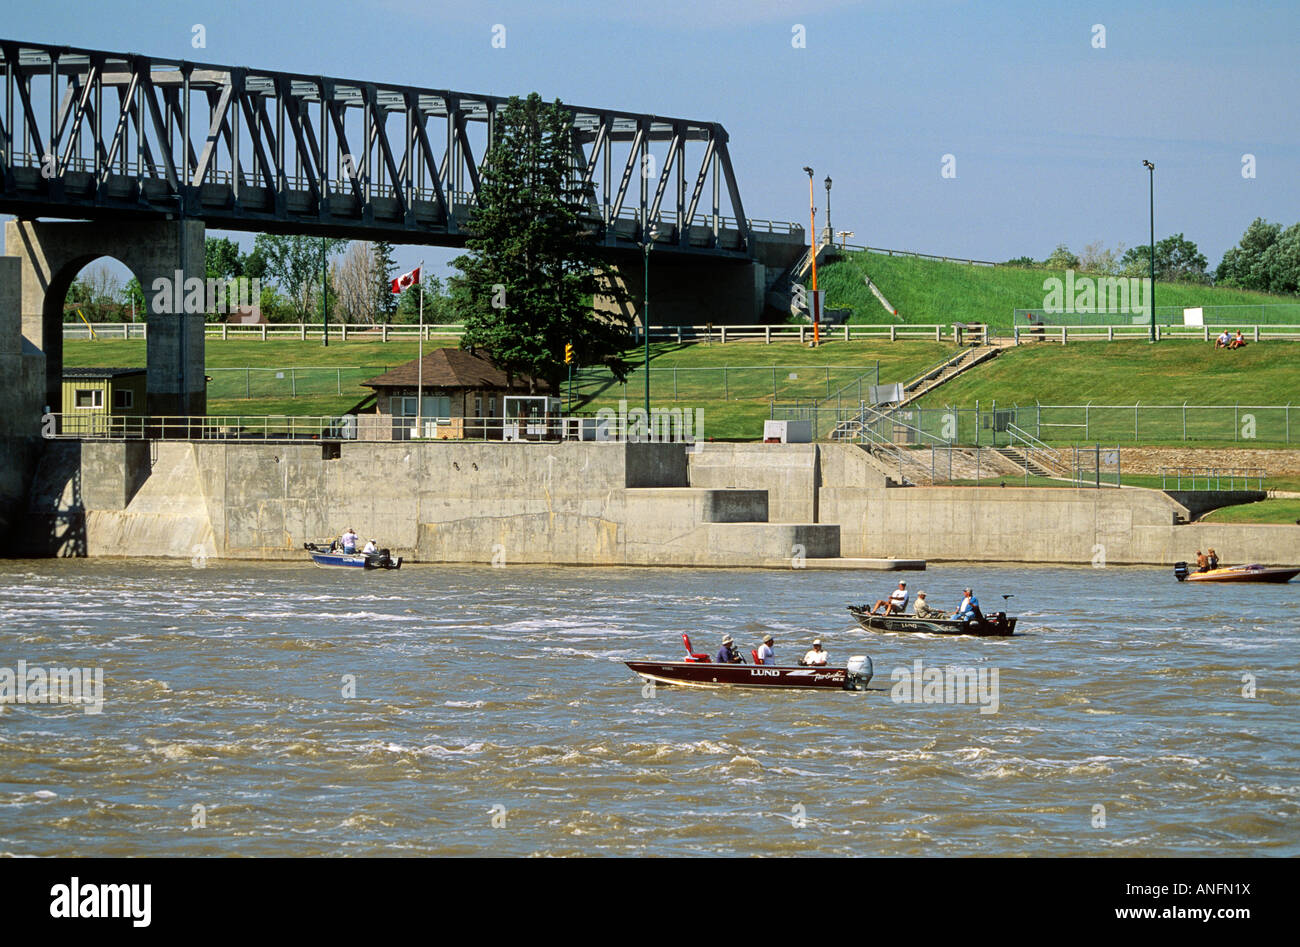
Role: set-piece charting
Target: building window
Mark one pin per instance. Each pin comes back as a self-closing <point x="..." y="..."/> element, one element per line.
<point x="123" y="399"/>
<point x="89" y="398"/>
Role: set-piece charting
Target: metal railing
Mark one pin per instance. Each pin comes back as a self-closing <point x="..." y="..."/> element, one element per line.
<point x="912" y="253"/>
<point x="386" y="332"/>
<point x="1061" y="425"/>
<point x="100" y="426"/>
<point x="1141" y="332"/>
<point x="1212" y="478"/>
<point x="1036" y="452"/>
<point x="1214" y="316"/>
<point x="664" y="425"/>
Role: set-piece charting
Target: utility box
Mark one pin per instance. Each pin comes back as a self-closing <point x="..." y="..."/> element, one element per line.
<point x="787" y="432"/>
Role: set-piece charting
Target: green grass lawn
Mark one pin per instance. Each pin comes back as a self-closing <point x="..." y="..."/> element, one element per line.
<point x="733" y="383"/>
<point x="931" y="291"/>
<point x="1136" y="373"/>
<point x="1265" y="511"/>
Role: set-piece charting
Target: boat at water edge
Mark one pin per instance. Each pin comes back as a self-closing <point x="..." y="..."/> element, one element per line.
<point x="998" y="626"/>
<point x="326" y="557"/>
<point x="1250" y="573"/>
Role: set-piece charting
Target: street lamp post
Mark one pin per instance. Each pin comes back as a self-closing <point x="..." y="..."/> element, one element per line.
<point x="1151" y="299"/>
<point x="830" y="232"/>
<point x="647" y="240"/>
<point x="812" y="227"/>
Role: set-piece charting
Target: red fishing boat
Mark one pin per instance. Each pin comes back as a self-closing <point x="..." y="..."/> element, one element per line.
<point x="698" y="670"/>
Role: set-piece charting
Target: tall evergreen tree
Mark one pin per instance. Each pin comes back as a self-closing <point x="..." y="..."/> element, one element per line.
<point x="385" y="269"/>
<point x="531" y="268"/>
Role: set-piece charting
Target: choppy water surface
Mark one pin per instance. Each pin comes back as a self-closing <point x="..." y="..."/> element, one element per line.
<point x="493" y="716"/>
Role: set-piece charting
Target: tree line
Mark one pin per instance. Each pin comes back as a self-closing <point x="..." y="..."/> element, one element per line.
<point x="288" y="269"/>
<point x="1266" y="259"/>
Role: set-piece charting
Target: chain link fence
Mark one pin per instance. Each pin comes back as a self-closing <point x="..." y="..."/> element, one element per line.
<point x="742" y="383"/>
<point x="292" y="382"/>
<point x="996" y="426"/>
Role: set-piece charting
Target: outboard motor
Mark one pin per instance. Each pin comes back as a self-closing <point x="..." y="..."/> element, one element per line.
<point x="860" y="672"/>
<point x="1000" y="618"/>
<point x="1180" y="571"/>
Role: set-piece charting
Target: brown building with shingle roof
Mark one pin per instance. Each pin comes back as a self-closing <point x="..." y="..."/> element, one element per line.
<point x="464" y="396"/>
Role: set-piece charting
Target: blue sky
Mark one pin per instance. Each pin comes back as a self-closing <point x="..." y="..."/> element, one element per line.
<point x="1046" y="130"/>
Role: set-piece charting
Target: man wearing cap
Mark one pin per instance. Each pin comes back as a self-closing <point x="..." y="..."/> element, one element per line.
<point x="765" y="653"/>
<point x="816" y="657"/>
<point x="969" y="609"/>
<point x="896" y="603"/>
<point x="728" y="654"/>
<point x="925" y="610"/>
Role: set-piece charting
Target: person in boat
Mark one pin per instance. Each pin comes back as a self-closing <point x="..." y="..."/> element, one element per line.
<point x="969" y="609"/>
<point x="349" y="542"/>
<point x="728" y="654"/>
<point x="765" y="653"/>
<point x="816" y="656"/>
<point x="925" y="610"/>
<point x="370" y="548"/>
<point x="1212" y="560"/>
<point x="1202" y="563"/>
<point x="896" y="603"/>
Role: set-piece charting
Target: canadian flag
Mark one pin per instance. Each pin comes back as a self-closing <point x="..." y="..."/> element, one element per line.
<point x="403" y="283"/>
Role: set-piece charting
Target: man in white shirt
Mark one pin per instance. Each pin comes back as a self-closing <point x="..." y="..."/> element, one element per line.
<point x="816" y="657"/>
<point x="370" y="548"/>
<point x="765" y="653"/>
<point x="896" y="603"/>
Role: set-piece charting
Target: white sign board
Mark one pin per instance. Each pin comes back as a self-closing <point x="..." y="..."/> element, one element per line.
<point x="1194" y="317"/>
<point x="787" y="432"/>
<point x="885" y="394"/>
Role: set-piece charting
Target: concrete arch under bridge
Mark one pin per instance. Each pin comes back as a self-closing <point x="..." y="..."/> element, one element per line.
<point x="50" y="256"/>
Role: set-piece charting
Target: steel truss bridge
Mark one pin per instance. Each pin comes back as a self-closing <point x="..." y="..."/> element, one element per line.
<point x="101" y="135"/>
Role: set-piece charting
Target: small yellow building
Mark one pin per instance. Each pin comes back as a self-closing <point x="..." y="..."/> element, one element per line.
<point x="91" y="396"/>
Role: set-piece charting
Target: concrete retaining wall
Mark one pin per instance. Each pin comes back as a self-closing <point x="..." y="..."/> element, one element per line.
<point x="587" y="503"/>
<point x="614" y="504"/>
<point x="787" y="472"/>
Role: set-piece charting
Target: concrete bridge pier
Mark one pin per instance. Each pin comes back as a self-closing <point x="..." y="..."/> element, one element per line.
<point x="22" y="369"/>
<point x="156" y="252"/>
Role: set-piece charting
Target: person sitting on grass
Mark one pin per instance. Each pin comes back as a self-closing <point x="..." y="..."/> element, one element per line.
<point x="1237" y="342"/>
<point x="1222" y="341"/>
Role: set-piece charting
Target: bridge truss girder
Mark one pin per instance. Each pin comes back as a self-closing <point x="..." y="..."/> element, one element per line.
<point x="89" y="133"/>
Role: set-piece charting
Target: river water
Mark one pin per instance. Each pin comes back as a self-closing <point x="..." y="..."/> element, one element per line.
<point x="280" y="709"/>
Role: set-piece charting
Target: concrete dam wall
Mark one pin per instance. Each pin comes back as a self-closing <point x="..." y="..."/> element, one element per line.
<point x="564" y="503"/>
<point x="742" y="505"/>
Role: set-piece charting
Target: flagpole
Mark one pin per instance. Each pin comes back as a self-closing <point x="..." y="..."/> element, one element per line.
<point x="419" y="391"/>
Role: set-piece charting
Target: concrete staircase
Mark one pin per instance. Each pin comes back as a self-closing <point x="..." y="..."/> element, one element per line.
<point x="946" y="371"/>
<point x="1027" y="460"/>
